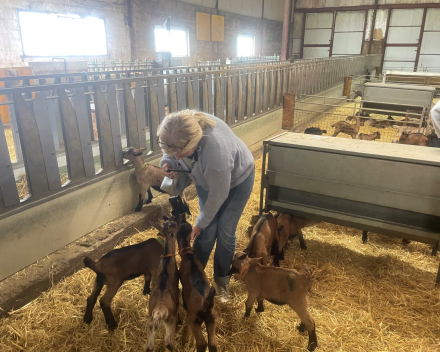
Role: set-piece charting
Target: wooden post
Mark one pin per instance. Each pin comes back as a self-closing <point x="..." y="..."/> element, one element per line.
<point x="289" y="110"/>
<point x="347" y="87"/>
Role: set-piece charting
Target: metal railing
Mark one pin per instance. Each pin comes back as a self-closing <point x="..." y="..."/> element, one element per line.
<point x="80" y="128"/>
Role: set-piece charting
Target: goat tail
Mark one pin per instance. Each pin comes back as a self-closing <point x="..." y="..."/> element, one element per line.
<point x="90" y="263"/>
<point x="308" y="274"/>
<point x="159" y="315"/>
<point x="209" y="300"/>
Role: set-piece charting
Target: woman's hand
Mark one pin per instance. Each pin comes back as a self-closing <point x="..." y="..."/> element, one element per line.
<point x="171" y="174"/>
<point x="195" y="232"/>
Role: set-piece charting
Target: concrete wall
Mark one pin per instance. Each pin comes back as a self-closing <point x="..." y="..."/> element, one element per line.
<point x="137" y="42"/>
<point x="37" y="231"/>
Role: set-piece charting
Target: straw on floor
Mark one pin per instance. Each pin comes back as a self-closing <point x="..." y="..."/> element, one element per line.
<point x="374" y="297"/>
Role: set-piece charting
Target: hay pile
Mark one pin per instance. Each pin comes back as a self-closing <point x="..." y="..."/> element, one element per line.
<point x="22" y="185"/>
<point x="374" y="297"/>
<point x="10" y="143"/>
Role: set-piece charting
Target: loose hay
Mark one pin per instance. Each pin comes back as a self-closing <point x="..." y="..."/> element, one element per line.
<point x="374" y="297"/>
<point x="22" y="185"/>
<point x="10" y="143"/>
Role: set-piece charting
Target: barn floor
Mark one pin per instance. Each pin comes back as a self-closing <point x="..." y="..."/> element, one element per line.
<point x="374" y="297"/>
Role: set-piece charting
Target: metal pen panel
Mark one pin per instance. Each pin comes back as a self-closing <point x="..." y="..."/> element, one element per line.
<point x="130" y="113"/>
<point x="161" y="98"/>
<point x="139" y="100"/>
<point x="155" y="119"/>
<point x="114" y="123"/>
<point x="106" y="147"/>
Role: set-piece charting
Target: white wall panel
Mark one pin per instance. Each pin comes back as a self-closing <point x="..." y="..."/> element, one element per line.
<point x="315" y="52"/>
<point x="347" y="43"/>
<point x="274" y="10"/>
<point x="432" y="22"/>
<point x="251" y="8"/>
<point x="406" y="17"/>
<point x="298" y="19"/>
<point x="398" y="53"/>
<point x="431" y="43"/>
<point x="206" y="3"/>
<point x="317" y="36"/>
<point x="403" y="35"/>
<point x="319" y="20"/>
<point x="350" y="21"/>
<point x="296" y="46"/>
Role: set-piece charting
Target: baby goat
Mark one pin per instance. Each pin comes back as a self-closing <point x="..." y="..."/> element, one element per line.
<point x="264" y="236"/>
<point x="198" y="297"/>
<point x="279" y="286"/>
<point x="347" y="128"/>
<point x="146" y="175"/>
<point x="164" y="298"/>
<point x="117" y="266"/>
<point x="413" y="139"/>
<point x="289" y="226"/>
<point x="369" y="137"/>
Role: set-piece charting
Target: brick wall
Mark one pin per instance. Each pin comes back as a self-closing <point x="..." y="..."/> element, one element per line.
<point x="140" y="44"/>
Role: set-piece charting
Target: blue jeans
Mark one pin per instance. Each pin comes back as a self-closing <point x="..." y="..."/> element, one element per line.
<point x="222" y="228"/>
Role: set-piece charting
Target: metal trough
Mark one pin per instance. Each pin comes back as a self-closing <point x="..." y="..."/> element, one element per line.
<point x="384" y="188"/>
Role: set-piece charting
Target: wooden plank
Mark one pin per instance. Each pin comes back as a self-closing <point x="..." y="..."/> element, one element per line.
<point x="272" y="89"/>
<point x="203" y="26"/>
<point x="155" y="119"/>
<point x="31" y="146"/>
<point x="139" y="100"/>
<point x="181" y="96"/>
<point x="106" y="148"/>
<point x="121" y="106"/>
<point x="211" y="96"/>
<point x="114" y="124"/>
<point x="257" y="93"/>
<point x="249" y="95"/>
<point x="284" y="85"/>
<point x="72" y="141"/>
<point x="278" y="92"/>
<point x="8" y="187"/>
<point x="190" y="93"/>
<point x="41" y="112"/>
<point x="290" y="83"/>
<point x="218" y="97"/>
<point x="130" y="113"/>
<point x="196" y="89"/>
<point x="235" y="95"/>
<point x="80" y="102"/>
<point x="229" y="117"/>
<point x="253" y="91"/>
<point x="205" y="100"/>
<point x="265" y="90"/>
<point x="224" y="87"/>
<point x="173" y="94"/>
<point x="161" y="98"/>
<point x="240" y="98"/>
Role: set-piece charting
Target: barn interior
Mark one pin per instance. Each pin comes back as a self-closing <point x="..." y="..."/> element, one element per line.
<point x="337" y="102"/>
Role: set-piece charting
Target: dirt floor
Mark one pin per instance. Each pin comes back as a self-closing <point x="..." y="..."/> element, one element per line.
<point x="374" y="297"/>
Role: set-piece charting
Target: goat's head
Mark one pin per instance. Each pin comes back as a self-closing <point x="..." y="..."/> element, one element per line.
<point x="377" y="135"/>
<point x="130" y="153"/>
<point x="170" y="229"/>
<point x="240" y="261"/>
<point x="404" y="136"/>
<point x="351" y="117"/>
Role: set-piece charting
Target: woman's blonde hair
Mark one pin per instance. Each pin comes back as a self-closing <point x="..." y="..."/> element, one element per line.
<point x="182" y="129"/>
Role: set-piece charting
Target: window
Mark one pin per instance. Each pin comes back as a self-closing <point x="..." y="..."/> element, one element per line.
<point x="245" y="45"/>
<point x="44" y="34"/>
<point x="178" y="42"/>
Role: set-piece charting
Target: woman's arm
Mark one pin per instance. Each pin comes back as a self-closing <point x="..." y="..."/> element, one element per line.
<point x="168" y="162"/>
<point x="435" y="118"/>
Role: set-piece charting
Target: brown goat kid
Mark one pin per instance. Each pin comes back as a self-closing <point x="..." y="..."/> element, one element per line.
<point x="413" y="139"/>
<point x="198" y="296"/>
<point x="279" y="286"/>
<point x="347" y="128"/>
<point x="117" y="266"/>
<point x="289" y="226"/>
<point x="369" y="137"/>
<point x="147" y="175"/>
<point x="164" y="298"/>
<point x="264" y="237"/>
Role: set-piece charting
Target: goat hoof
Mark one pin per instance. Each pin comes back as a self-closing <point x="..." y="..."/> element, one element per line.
<point x="405" y="241"/>
<point x="113" y="326"/>
<point x="303" y="247"/>
<point x="88" y="318"/>
<point x="170" y="347"/>
<point x="212" y="348"/>
<point x="201" y="348"/>
<point x="259" y="309"/>
<point x="148" y="201"/>
<point x="138" y="209"/>
<point x="282" y="255"/>
<point x="147" y="291"/>
<point x="301" y="327"/>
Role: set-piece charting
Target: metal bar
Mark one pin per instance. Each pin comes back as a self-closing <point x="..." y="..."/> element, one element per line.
<point x="173" y="94"/>
<point x="41" y="112"/>
<point x="272" y="89"/>
<point x="218" y="97"/>
<point x="8" y="188"/>
<point x="240" y="98"/>
<point x="114" y="123"/>
<point x="196" y="90"/>
<point x="181" y="96"/>
<point x="249" y="95"/>
<point x="103" y="123"/>
<point x="130" y="113"/>
<point x="155" y="117"/>
<point x="205" y="99"/>
<point x="264" y="90"/>
<point x="190" y="94"/>
<point x="257" y="92"/>
<point x="161" y="98"/>
<point x="419" y="44"/>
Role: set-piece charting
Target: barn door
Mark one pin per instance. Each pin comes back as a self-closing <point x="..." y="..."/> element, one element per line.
<point x="317" y="34"/>
<point x="349" y="33"/>
<point x="403" y="39"/>
<point x="429" y="59"/>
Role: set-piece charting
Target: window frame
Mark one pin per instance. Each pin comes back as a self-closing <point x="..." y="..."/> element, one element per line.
<point x="253" y="43"/>
<point x="24" y="56"/>
<point x="186" y="30"/>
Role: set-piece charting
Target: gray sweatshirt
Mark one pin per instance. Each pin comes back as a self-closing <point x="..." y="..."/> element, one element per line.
<point x="224" y="162"/>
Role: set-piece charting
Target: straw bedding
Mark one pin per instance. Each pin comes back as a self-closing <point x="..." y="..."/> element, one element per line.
<point x="374" y="297"/>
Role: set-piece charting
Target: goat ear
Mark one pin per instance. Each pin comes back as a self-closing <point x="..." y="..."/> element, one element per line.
<point x="138" y="152"/>
<point x="157" y="227"/>
<point x="242" y="257"/>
